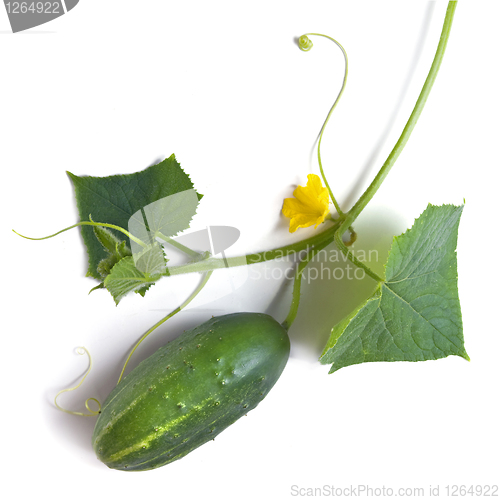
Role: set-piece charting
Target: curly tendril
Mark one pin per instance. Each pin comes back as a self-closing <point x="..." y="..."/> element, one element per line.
<point x="92" y="413"/>
<point x="305" y="43"/>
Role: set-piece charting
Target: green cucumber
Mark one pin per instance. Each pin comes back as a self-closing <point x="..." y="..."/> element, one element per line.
<point x="190" y="390"/>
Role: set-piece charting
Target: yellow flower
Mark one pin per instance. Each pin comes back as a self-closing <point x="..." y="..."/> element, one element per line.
<point x="310" y="205"/>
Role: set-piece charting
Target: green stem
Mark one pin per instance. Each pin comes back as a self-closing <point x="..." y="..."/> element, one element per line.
<point x="254" y="258"/>
<point x="403" y="139"/>
<point x="212" y="264"/>
<point x="343" y="248"/>
<point x="337" y="207"/>
<point x="179" y="246"/>
<point x="294" y="307"/>
<point x="168" y="316"/>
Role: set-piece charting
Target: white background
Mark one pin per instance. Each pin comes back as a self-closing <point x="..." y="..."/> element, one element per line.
<point x="115" y="86"/>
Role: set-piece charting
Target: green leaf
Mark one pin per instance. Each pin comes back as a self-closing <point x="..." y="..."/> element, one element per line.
<point x="115" y="200"/>
<point x="98" y="287"/>
<point x="414" y="315"/>
<point x="151" y="260"/>
<point x="115" y="249"/>
<point x="110" y="242"/>
<point x="125" y="278"/>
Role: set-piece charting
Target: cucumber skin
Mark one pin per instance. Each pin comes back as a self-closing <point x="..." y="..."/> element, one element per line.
<point x="190" y="390"/>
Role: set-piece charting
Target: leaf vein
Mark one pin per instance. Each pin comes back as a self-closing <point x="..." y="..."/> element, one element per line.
<point x="423" y="318"/>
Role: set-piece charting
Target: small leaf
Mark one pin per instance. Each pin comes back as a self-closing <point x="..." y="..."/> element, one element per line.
<point x="108" y="240"/>
<point x="122" y="250"/>
<point x="142" y="291"/>
<point x="414" y="315"/>
<point x="125" y="278"/>
<point x="115" y="248"/>
<point x="151" y="260"/>
<point x="104" y="267"/>
<point x="99" y="286"/>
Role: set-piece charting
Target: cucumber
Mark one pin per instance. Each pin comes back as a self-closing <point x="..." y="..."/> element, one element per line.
<point x="190" y="390"/>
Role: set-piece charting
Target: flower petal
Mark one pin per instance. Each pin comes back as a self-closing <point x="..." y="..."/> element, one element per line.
<point x="310" y="206"/>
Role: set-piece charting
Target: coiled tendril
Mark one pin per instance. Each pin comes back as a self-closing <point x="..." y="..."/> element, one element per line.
<point x="92" y="413"/>
<point x="305" y="43"/>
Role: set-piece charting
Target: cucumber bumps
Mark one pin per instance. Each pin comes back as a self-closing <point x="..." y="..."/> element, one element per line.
<point x="190" y="390"/>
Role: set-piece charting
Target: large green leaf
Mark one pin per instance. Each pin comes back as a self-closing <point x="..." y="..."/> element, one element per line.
<point x="414" y="314"/>
<point x="115" y="199"/>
